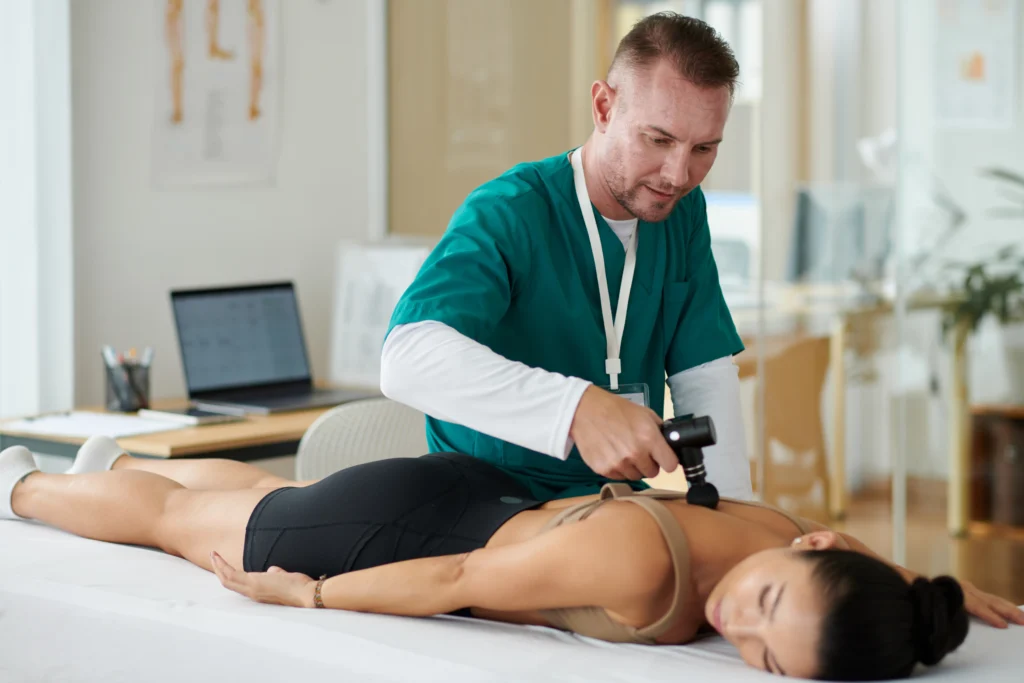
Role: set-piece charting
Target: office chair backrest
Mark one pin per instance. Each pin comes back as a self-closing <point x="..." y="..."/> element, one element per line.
<point x="360" y="432"/>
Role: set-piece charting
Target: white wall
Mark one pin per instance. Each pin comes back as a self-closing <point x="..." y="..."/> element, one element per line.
<point x="133" y="243"/>
<point x="951" y="156"/>
<point x="36" y="348"/>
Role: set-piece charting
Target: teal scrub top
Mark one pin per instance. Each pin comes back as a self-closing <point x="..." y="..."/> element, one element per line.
<point x="515" y="272"/>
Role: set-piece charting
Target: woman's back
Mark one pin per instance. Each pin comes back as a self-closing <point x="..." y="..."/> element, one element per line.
<point x="673" y="609"/>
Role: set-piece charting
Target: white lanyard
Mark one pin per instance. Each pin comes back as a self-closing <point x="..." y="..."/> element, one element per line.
<point x="612" y="328"/>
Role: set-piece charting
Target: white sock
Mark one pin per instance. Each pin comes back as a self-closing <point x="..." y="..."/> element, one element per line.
<point x="96" y="455"/>
<point x="16" y="463"/>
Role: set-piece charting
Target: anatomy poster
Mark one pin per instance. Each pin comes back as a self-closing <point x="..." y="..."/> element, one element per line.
<point x="976" y="63"/>
<point x="217" y="92"/>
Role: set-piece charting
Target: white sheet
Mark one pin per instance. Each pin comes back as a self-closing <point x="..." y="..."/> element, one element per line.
<point x="78" y="610"/>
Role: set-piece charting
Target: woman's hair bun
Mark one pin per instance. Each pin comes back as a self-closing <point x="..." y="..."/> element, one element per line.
<point x="940" y="620"/>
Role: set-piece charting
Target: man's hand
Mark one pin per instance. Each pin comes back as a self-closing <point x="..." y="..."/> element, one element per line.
<point x="619" y="439"/>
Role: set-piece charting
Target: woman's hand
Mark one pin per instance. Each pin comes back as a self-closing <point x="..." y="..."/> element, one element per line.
<point x="989" y="608"/>
<point x="274" y="587"/>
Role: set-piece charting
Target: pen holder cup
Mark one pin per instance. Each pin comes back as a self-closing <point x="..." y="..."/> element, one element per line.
<point x="127" y="387"/>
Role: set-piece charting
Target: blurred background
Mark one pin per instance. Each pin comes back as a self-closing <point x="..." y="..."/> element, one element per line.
<point x="866" y="210"/>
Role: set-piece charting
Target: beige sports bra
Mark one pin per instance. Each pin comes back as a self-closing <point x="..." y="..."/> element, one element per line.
<point x="595" y="621"/>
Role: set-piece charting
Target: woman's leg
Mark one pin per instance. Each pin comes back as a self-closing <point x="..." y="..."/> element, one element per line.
<point x="101" y="453"/>
<point x="141" y="508"/>
<point x="208" y="473"/>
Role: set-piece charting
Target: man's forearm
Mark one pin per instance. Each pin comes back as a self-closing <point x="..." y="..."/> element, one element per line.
<point x="439" y="371"/>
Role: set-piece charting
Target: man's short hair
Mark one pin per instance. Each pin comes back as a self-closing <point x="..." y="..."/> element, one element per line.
<point x="694" y="48"/>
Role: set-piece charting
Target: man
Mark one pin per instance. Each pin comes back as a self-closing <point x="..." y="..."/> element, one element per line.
<point x="507" y="340"/>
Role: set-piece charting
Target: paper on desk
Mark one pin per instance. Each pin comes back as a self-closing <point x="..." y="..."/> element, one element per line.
<point x="85" y="424"/>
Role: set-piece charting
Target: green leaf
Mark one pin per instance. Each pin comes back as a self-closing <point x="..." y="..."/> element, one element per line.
<point x="1006" y="252"/>
<point x="1004" y="212"/>
<point x="1005" y="175"/>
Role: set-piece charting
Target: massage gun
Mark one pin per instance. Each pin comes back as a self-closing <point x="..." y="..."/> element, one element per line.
<point x="687" y="436"/>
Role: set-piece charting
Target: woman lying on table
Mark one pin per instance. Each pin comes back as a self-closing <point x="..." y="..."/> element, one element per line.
<point x="449" y="533"/>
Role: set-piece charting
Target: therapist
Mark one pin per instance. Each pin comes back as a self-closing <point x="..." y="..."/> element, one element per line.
<point x="538" y="333"/>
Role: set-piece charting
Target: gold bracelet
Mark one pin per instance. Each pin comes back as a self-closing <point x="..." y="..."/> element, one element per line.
<point x="317" y="600"/>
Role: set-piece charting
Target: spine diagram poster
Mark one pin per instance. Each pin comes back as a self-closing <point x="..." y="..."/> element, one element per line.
<point x="976" y="63"/>
<point x="217" y="92"/>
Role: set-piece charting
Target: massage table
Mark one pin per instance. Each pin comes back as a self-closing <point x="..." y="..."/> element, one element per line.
<point x="73" y="610"/>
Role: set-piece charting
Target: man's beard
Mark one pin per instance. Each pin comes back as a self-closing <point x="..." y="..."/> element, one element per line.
<point x="629" y="198"/>
<point x="649" y="212"/>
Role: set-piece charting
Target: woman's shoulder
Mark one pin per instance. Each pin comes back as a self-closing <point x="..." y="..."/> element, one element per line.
<point x="771" y="515"/>
<point x="654" y="541"/>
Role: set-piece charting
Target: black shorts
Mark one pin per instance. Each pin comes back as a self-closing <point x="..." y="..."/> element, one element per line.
<point x="382" y="512"/>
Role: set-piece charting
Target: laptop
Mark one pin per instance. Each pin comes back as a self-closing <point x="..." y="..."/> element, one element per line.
<point x="244" y="352"/>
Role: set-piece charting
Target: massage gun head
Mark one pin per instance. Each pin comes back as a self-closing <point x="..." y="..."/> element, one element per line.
<point x="687" y="436"/>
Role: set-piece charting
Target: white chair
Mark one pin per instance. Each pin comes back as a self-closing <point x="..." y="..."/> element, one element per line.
<point x="359" y="432"/>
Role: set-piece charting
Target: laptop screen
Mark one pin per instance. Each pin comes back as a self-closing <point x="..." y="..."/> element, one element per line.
<point x="233" y="338"/>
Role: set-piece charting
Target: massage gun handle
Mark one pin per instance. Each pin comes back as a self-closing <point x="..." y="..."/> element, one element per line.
<point x="692" y="432"/>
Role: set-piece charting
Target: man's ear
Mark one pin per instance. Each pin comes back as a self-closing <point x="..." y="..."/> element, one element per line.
<point x="602" y="96"/>
<point x="816" y="540"/>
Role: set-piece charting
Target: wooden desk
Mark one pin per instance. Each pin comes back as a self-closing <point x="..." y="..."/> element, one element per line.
<point x="255" y="438"/>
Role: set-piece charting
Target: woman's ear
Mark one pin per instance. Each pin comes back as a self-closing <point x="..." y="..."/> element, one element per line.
<point x="816" y="540"/>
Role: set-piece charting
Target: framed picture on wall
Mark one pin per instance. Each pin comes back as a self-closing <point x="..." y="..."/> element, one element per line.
<point x="369" y="280"/>
<point x="976" y="53"/>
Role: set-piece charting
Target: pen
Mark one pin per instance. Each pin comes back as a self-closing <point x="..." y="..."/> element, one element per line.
<point x="112" y="362"/>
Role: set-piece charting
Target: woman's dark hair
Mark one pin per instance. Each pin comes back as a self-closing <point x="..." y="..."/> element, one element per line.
<point x="694" y="48"/>
<point x="876" y="625"/>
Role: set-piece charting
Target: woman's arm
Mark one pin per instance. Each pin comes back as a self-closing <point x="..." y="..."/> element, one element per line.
<point x="616" y="559"/>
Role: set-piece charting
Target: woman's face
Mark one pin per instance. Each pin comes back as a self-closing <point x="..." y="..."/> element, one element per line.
<point x="770" y="608"/>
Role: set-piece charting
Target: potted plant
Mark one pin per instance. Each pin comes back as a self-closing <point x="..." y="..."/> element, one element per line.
<point x="993" y="288"/>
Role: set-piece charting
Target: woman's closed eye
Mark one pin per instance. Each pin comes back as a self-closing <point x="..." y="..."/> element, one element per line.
<point x="769" y="660"/>
<point x="769" y="612"/>
<point x="763" y="600"/>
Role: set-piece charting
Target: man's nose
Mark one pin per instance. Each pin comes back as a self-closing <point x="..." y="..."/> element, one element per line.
<point x="677" y="169"/>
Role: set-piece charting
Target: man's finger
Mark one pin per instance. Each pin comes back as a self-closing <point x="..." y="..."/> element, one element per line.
<point x="664" y="456"/>
<point x="661" y="451"/>
<point x="647" y="467"/>
<point x="629" y="472"/>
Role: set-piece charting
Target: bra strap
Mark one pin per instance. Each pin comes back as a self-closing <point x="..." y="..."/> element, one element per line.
<point x="616" y="490"/>
<point x="678" y="547"/>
